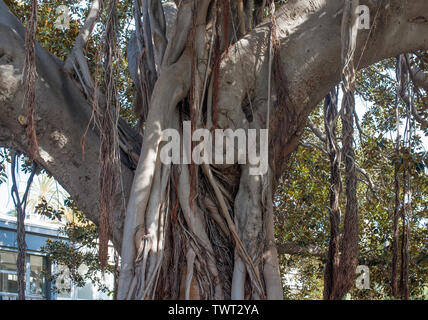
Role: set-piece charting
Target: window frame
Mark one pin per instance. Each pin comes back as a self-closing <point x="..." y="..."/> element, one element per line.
<point x="45" y="283"/>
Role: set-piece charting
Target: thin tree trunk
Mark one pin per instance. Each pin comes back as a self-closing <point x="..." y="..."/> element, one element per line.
<point x="20" y="233"/>
<point x="395" y="231"/>
<point x="20" y="206"/>
<point x="404" y="276"/>
<point x="407" y="96"/>
<point x="116" y="275"/>
<point x="330" y="122"/>
<point x="349" y="242"/>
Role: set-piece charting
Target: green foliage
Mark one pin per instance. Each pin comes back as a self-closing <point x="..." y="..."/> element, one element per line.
<point x="43" y="208"/>
<point x="60" y="42"/>
<point x="301" y="201"/>
<point x="80" y="249"/>
<point x="4" y="159"/>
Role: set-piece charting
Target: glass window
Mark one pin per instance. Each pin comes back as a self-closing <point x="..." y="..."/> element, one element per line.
<point x="37" y="279"/>
<point x="85" y="292"/>
<point x="8" y="277"/>
<point x="8" y="260"/>
<point x="8" y="282"/>
<point x="64" y="294"/>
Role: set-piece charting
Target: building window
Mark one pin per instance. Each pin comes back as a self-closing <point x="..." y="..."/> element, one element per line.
<point x="35" y="278"/>
<point x="8" y="277"/>
<point x="85" y="293"/>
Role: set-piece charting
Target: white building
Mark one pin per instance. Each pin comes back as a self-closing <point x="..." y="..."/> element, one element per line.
<point x="38" y="230"/>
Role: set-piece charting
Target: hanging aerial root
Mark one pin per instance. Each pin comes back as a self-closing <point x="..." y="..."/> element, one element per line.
<point x="30" y="75"/>
<point x="198" y="237"/>
<point x="330" y="124"/>
<point x="252" y="271"/>
<point x="349" y="246"/>
<point x="284" y="118"/>
<point x="221" y="46"/>
<point x="397" y="202"/>
<point x="406" y="94"/>
<point x="283" y="97"/>
<point x="108" y="121"/>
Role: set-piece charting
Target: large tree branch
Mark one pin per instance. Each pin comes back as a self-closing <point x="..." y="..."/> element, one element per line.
<point x="317" y="132"/>
<point x="62" y="115"/>
<point x="77" y="54"/>
<point x="310" y="46"/>
<point x="419" y="77"/>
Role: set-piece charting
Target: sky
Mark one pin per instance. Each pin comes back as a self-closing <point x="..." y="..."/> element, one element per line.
<point x="6" y="201"/>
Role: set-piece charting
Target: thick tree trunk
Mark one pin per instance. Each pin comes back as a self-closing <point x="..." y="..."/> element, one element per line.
<point x="309" y="62"/>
